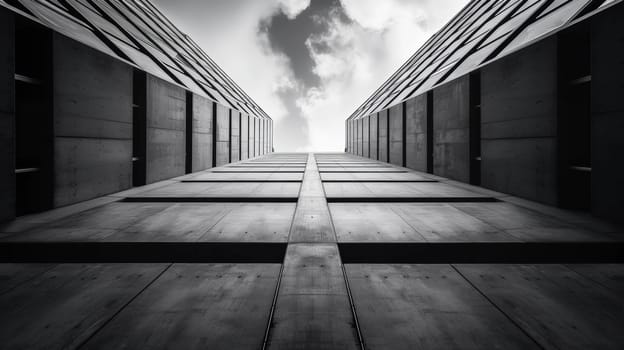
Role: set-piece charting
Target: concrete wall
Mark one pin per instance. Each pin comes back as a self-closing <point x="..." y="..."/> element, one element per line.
<point x="235" y="136"/>
<point x="252" y="137"/>
<point x="359" y="137"/>
<point x="244" y="125"/>
<point x="373" y="136"/>
<point x="451" y="130"/>
<point x="383" y="135"/>
<point x="223" y="135"/>
<point x="202" y="133"/>
<point x="365" y="136"/>
<point x="519" y="123"/>
<point x="395" y="121"/>
<point x="166" y="129"/>
<point x="7" y="116"/>
<point x="607" y="105"/>
<point x="93" y="125"/>
<point x="257" y="137"/>
<point x="416" y="133"/>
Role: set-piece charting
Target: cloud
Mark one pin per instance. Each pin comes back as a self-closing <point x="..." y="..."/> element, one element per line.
<point x="229" y="32"/>
<point x="292" y="8"/>
<point x="355" y="55"/>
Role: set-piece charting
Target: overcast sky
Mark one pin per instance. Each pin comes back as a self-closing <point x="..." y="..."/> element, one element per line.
<point x="309" y="63"/>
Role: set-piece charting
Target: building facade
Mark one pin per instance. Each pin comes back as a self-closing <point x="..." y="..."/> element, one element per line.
<point x="99" y="96"/>
<point x="519" y="96"/>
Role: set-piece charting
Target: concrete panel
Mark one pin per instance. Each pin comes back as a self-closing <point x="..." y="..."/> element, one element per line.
<point x="373" y="136"/>
<point x="358" y="137"/>
<point x="518" y="123"/>
<point x="451" y="154"/>
<point x="257" y="137"/>
<point x="416" y="133"/>
<point x="223" y="135"/>
<point x="235" y="136"/>
<point x="607" y="106"/>
<point x="365" y="137"/>
<point x="395" y="122"/>
<point x="252" y="137"/>
<point x="166" y="130"/>
<point x="7" y="116"/>
<point x="383" y="136"/>
<point x="244" y="136"/>
<point x="192" y="306"/>
<point x="92" y="123"/>
<point x="202" y="133"/>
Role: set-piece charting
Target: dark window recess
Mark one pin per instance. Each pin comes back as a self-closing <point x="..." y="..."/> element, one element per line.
<point x="475" y="128"/>
<point x="139" y="128"/>
<point x="189" y="133"/>
<point x="574" y="123"/>
<point x="34" y="139"/>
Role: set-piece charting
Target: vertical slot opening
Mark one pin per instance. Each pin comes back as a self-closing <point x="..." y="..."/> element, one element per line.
<point x="34" y="134"/>
<point x="573" y="120"/>
<point x="139" y="128"/>
<point x="188" y="164"/>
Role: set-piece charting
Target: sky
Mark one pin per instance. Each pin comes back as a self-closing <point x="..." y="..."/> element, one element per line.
<point x="309" y="63"/>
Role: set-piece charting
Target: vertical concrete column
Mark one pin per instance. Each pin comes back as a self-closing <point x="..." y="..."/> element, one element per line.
<point x="202" y="133"/>
<point x="7" y="115"/>
<point x="416" y="133"/>
<point x="382" y="145"/>
<point x="373" y="137"/>
<point x="451" y="127"/>
<point x="244" y="136"/>
<point x="518" y="124"/>
<point x="234" y="136"/>
<point x="223" y="135"/>
<point x="365" y="137"/>
<point x="92" y="94"/>
<point x="395" y="131"/>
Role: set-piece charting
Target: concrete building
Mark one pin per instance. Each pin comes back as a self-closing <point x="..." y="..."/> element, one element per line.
<point x="143" y="207"/>
<point x="522" y="97"/>
<point x="100" y="96"/>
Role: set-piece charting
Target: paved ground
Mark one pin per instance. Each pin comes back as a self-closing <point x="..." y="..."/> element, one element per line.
<point x="311" y="251"/>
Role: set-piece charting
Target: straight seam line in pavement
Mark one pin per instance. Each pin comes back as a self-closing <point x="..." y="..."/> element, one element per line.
<point x="267" y="332"/>
<point x="105" y="323"/>
<point x="498" y="308"/>
<point x="344" y="271"/>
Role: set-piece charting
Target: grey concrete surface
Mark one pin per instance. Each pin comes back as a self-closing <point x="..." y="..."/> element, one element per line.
<point x="92" y="124"/>
<point x="314" y="299"/>
<point x="166" y="130"/>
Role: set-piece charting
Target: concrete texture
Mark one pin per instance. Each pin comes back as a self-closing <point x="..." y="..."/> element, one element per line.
<point x="365" y="137"/>
<point x="519" y="123"/>
<point x="451" y="130"/>
<point x="374" y="139"/>
<point x="93" y="125"/>
<point x="7" y="116"/>
<point x="166" y="130"/>
<point x="607" y="106"/>
<point x="318" y="297"/>
<point x="223" y="135"/>
<point x="382" y="131"/>
<point x="395" y="127"/>
<point x="235" y="136"/>
<point x="202" y="133"/>
<point x="252" y="137"/>
<point x="416" y="133"/>
<point x="244" y="127"/>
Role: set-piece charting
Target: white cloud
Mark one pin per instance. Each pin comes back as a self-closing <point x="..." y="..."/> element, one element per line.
<point x="292" y="8"/>
<point x="353" y="59"/>
<point x="228" y="31"/>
